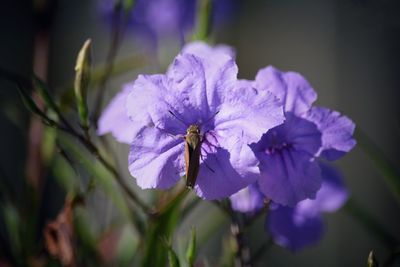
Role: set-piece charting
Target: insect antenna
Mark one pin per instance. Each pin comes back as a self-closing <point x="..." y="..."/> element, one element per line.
<point x="212" y="117"/>
<point x="176" y="117"/>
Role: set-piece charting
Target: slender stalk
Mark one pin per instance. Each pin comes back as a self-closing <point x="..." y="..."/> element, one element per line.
<point x="261" y="250"/>
<point x="118" y="28"/>
<point x="238" y="229"/>
<point x="242" y="254"/>
<point x="93" y="149"/>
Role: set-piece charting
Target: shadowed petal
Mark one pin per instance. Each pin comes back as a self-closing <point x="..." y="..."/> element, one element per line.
<point x="249" y="199"/>
<point x="292" y="229"/>
<point x="291" y="88"/>
<point x="115" y="120"/>
<point x="156" y="159"/>
<point x="337" y="132"/>
<point x="230" y="168"/>
<point x="332" y="195"/>
<point x="289" y="176"/>
<point x="289" y="173"/>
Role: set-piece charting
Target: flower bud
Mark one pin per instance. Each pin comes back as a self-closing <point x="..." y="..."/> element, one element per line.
<point x="82" y="79"/>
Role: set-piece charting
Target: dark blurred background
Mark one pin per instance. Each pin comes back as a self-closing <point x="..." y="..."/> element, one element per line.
<point x="349" y="50"/>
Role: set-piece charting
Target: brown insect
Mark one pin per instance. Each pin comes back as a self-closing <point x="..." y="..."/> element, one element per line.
<point x="193" y="142"/>
<point x="192" y="154"/>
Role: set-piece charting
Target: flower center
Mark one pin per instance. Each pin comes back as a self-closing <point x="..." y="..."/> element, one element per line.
<point x="276" y="143"/>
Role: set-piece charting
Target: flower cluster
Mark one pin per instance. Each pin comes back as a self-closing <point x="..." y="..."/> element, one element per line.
<point x="200" y="88"/>
<point x="290" y="162"/>
<point x="259" y="140"/>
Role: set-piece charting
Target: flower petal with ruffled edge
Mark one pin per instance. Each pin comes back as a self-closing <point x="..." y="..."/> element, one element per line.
<point x="199" y="88"/>
<point x="337" y="132"/>
<point x="291" y="88"/>
<point x="332" y="195"/>
<point x="115" y="120"/>
<point x="302" y="225"/>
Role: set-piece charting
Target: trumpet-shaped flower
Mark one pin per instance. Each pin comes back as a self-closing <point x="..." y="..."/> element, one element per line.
<point x="200" y="88"/>
<point x="288" y="152"/>
<point x="302" y="225"/>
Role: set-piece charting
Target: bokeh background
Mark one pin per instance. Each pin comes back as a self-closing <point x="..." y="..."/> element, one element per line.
<point x="349" y="50"/>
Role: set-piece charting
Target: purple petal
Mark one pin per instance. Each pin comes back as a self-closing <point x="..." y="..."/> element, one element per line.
<point x="337" y="132"/>
<point x="294" y="230"/>
<point x="149" y="104"/>
<point x="249" y="199"/>
<point x="203" y="50"/>
<point x="291" y="88"/>
<point x="156" y="159"/>
<point x="289" y="172"/>
<point x="202" y="81"/>
<point x="199" y="88"/>
<point x="332" y="195"/>
<point x="227" y="169"/>
<point x="115" y="120"/>
<point x="265" y="113"/>
<point x="289" y="177"/>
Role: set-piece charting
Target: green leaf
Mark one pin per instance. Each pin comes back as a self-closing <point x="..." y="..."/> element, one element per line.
<point x="127" y="244"/>
<point x="41" y="87"/>
<point x="191" y="249"/>
<point x="12" y="223"/>
<point x="172" y="257"/>
<point x="162" y="225"/>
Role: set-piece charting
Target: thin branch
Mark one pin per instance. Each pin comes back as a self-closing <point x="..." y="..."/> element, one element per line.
<point x="118" y="28"/>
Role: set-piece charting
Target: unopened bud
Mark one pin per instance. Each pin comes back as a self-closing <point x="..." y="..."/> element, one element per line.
<point x="82" y="79"/>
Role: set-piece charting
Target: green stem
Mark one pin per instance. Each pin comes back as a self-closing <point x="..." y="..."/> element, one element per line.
<point x="203" y="27"/>
<point x="119" y="21"/>
<point x="261" y="250"/>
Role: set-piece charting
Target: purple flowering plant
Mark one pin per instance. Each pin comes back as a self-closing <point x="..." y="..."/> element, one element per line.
<point x="199" y="88"/>
<point x="248" y="148"/>
<point x="302" y="225"/>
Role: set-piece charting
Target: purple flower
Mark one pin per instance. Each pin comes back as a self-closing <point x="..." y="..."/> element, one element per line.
<point x="154" y="19"/>
<point x="301" y="226"/>
<point x="288" y="152"/>
<point x="200" y="88"/>
<point x="115" y="119"/>
<point x="248" y="200"/>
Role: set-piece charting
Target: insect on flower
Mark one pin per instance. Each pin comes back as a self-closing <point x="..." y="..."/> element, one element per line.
<point x="195" y="120"/>
<point x="193" y="142"/>
<point x="192" y="154"/>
